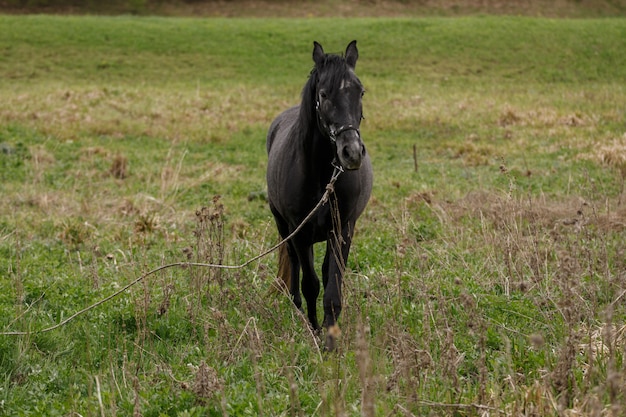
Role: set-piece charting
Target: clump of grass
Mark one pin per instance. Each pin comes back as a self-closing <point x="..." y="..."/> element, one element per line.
<point x="119" y="167"/>
<point x="147" y="223"/>
<point x="613" y="154"/>
<point x="75" y="232"/>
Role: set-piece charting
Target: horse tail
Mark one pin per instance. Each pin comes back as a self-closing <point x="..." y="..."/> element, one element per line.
<point x="284" y="267"/>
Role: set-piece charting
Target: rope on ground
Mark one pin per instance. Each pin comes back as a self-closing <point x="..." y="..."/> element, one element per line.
<point x="323" y="200"/>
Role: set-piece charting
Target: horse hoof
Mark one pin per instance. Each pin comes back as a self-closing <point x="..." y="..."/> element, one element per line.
<point x="332" y="335"/>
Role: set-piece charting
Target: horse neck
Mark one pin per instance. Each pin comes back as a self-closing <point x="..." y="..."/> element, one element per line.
<point x="316" y="146"/>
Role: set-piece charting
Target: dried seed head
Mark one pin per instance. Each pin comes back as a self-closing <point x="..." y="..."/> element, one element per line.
<point x="206" y="383"/>
<point x="188" y="252"/>
<point x="537" y="340"/>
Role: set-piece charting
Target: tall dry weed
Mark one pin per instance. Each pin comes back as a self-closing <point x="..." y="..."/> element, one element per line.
<point x="364" y="364"/>
<point x="206" y="385"/>
<point x="210" y="241"/>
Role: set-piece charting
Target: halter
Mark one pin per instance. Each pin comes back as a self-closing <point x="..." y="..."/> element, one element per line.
<point x="333" y="133"/>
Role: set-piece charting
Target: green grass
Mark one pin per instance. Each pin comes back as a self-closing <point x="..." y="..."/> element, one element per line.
<point x="490" y="278"/>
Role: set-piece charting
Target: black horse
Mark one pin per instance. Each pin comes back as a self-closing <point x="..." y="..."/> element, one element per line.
<point x="306" y="146"/>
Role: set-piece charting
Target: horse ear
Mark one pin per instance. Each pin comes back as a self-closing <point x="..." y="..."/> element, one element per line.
<point x="318" y="54"/>
<point x="352" y="54"/>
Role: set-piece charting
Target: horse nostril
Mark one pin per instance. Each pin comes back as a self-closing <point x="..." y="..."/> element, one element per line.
<point x="362" y="150"/>
<point x="346" y="153"/>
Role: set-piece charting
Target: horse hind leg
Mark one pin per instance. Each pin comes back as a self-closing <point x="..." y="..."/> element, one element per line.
<point x="288" y="263"/>
<point x="284" y="268"/>
<point x="310" y="283"/>
<point x="291" y="265"/>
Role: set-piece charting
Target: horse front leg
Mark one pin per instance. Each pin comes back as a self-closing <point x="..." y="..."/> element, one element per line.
<point x="337" y="250"/>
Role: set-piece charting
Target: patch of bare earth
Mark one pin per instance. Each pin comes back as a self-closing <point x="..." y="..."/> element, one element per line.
<point x="331" y="8"/>
<point x="355" y="8"/>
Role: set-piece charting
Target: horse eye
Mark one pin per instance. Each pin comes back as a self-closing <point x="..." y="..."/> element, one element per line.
<point x="323" y="94"/>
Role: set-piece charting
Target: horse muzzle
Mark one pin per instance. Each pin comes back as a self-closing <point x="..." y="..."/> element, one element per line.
<point x="350" y="149"/>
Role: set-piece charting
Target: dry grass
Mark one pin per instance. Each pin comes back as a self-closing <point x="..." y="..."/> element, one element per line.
<point x="612" y="153"/>
<point x="560" y="253"/>
<point x="534" y="247"/>
<point x="123" y="112"/>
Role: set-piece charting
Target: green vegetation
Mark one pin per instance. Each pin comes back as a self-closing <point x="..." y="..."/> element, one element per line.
<point x="488" y="271"/>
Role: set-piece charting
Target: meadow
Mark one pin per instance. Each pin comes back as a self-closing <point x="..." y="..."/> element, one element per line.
<point x="487" y="276"/>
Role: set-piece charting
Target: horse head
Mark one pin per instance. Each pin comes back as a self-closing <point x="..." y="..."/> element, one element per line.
<point x="338" y="94"/>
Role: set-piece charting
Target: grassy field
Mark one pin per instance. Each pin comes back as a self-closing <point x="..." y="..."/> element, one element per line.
<point x="488" y="273"/>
